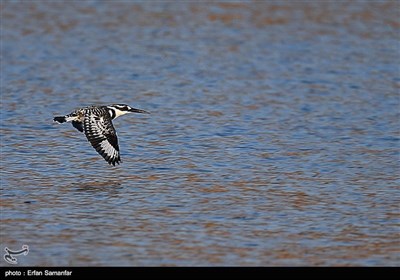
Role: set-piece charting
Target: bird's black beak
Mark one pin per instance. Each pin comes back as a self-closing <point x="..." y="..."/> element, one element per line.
<point x="134" y="110"/>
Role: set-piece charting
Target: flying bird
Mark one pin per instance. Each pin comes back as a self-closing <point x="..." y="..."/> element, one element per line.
<point x="96" y="123"/>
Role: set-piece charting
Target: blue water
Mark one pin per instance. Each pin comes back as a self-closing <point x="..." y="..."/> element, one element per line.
<point x="273" y="137"/>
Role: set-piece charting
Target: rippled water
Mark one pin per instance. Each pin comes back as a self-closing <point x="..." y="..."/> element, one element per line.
<point x="273" y="137"/>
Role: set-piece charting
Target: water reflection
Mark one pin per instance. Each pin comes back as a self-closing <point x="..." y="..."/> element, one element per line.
<point x="111" y="186"/>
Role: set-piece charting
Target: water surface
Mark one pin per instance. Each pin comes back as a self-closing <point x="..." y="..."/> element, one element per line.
<point x="273" y="137"/>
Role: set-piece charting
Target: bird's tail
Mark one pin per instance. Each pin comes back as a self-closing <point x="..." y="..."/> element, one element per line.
<point x="60" y="119"/>
<point x="67" y="118"/>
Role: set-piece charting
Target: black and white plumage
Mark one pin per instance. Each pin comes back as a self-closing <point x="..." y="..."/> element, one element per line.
<point x="96" y="123"/>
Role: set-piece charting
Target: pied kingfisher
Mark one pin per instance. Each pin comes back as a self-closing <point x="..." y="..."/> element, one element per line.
<point x="96" y="123"/>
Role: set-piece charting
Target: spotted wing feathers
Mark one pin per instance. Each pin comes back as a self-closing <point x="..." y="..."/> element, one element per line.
<point x="101" y="134"/>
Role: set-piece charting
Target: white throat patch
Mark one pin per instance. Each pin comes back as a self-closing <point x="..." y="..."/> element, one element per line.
<point x="119" y="113"/>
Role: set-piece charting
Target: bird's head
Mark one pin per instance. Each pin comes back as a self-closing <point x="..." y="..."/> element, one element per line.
<point x="117" y="110"/>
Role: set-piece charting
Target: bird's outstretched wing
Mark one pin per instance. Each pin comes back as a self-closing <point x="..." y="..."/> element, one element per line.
<point x="101" y="133"/>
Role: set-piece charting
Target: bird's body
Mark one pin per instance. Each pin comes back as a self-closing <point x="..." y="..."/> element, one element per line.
<point x="96" y="123"/>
